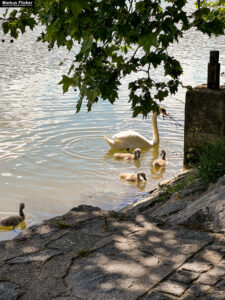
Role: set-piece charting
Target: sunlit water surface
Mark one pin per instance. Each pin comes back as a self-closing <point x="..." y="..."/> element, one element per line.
<point x="52" y="159"/>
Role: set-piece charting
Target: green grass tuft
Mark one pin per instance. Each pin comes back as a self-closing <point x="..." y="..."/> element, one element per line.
<point x="113" y="214"/>
<point x="83" y="252"/>
<point x="210" y="164"/>
<point x="62" y="225"/>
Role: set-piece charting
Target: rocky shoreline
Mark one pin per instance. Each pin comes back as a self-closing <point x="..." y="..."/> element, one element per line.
<point x="169" y="245"/>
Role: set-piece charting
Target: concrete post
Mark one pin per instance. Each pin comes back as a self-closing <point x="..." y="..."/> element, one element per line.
<point x="204" y="111"/>
<point x="214" y="71"/>
<point x="204" y="118"/>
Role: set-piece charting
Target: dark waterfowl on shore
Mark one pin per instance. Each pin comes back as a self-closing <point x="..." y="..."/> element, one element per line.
<point x="14" y="220"/>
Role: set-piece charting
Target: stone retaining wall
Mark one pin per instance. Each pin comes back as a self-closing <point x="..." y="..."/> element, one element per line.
<point x="204" y="118"/>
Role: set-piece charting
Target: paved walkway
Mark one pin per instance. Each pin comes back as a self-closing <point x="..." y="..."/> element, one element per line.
<point x="93" y="254"/>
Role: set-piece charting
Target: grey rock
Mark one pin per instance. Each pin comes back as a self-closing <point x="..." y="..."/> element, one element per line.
<point x="8" y="291"/>
<point x="132" y="264"/>
<point x="204" y="211"/>
<point x="173" y="287"/>
<point x="173" y="244"/>
<point x="191" y="188"/>
<point x="189" y="297"/>
<point x="43" y="230"/>
<point x="219" y="248"/>
<point x="216" y="295"/>
<point x="221" y="285"/>
<point x="83" y="238"/>
<point x="66" y="298"/>
<point x="210" y="255"/>
<point x="156" y="296"/>
<point x="212" y="276"/>
<point x="183" y="175"/>
<point x="170" y="208"/>
<point x="221" y="181"/>
<point x="115" y="272"/>
<point x="41" y="256"/>
<point x="197" y="266"/>
<point x="82" y="213"/>
<point x="184" y="276"/>
<point x="143" y="204"/>
<point x="85" y="208"/>
<point x="208" y="209"/>
<point x="198" y="289"/>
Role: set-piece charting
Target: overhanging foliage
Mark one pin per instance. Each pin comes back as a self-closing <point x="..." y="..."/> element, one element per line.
<point x="117" y="38"/>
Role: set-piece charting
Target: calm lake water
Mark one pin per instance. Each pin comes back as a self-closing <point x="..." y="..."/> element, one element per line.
<point x="52" y="159"/>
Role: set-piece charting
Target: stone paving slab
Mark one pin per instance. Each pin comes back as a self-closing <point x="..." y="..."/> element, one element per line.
<point x="216" y="295"/>
<point x="173" y="287"/>
<point x="29" y="241"/>
<point x="197" y="266"/>
<point x="8" y="291"/>
<point x="170" y="208"/>
<point x="198" y="290"/>
<point x="212" y="276"/>
<point x="211" y="256"/>
<point x="98" y="256"/>
<point x="157" y="296"/>
<point x="221" y="285"/>
<point x="115" y="272"/>
<point x="133" y="264"/>
<point x="184" y="276"/>
<point x="66" y="298"/>
<point x="41" y="256"/>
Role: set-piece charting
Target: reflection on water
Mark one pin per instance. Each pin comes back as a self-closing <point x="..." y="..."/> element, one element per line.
<point x="52" y="159"/>
<point x="20" y="226"/>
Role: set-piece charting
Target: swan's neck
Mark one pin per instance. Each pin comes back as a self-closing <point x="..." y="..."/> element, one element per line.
<point x="164" y="156"/>
<point x="155" y="129"/>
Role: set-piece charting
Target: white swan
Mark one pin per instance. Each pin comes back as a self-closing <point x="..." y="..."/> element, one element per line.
<point x="132" y="139"/>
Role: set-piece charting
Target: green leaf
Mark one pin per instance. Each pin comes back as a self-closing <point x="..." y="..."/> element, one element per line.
<point x="92" y="94"/>
<point x="79" y="104"/>
<point x="66" y="82"/>
<point x="5" y="13"/>
<point x="32" y="23"/>
<point x="13" y="13"/>
<point x="13" y="31"/>
<point x="76" y="6"/>
<point x="5" y="26"/>
<point x="147" y="41"/>
<point x="215" y="26"/>
<point x="86" y="45"/>
<point x="105" y="30"/>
